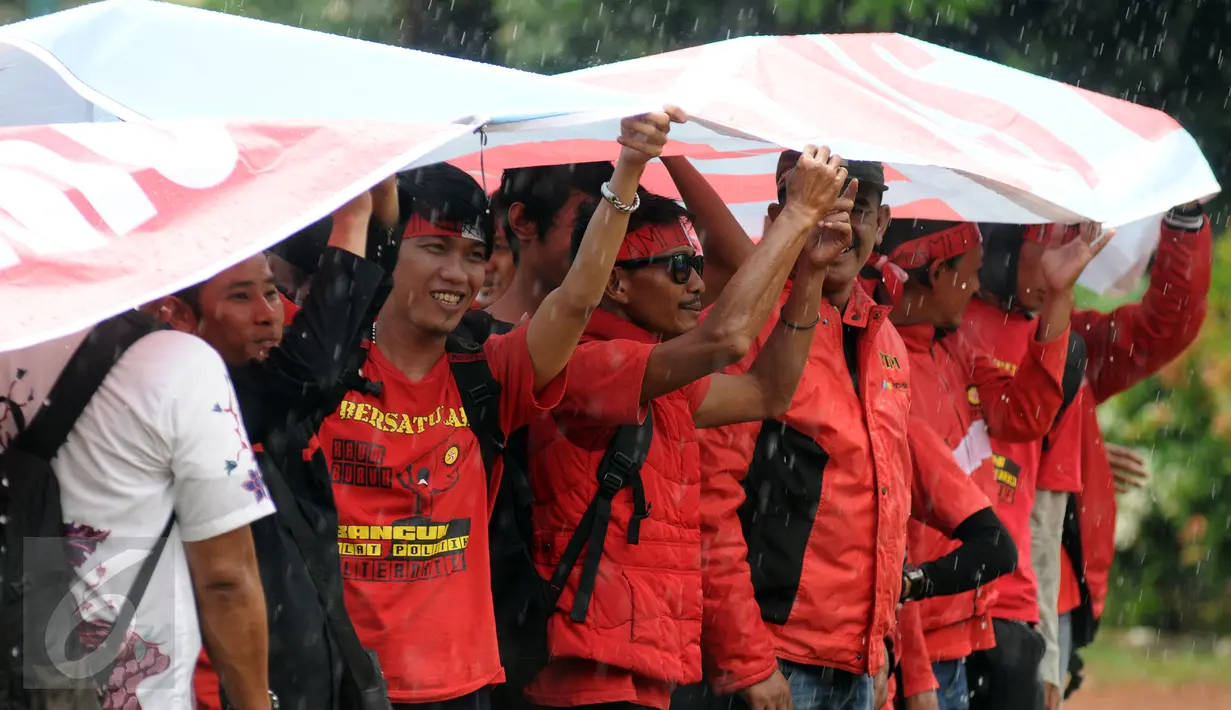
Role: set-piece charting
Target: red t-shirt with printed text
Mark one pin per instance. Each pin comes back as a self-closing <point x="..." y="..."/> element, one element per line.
<point x="413" y="506"/>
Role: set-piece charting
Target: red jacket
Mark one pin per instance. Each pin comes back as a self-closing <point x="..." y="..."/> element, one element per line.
<point x="942" y="497"/>
<point x="911" y="651"/>
<point x="826" y="537"/>
<point x="1008" y="339"/>
<point x="965" y="396"/>
<point x="1124" y="347"/>
<point x="642" y="631"/>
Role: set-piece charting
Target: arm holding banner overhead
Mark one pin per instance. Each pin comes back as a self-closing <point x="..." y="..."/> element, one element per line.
<point x="765" y="391"/>
<point x="557" y="325"/>
<point x="311" y="356"/>
<point x="725" y="242"/>
<point x="1134" y="341"/>
<point x="729" y="329"/>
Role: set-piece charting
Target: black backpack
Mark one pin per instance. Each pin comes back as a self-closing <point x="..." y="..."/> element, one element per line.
<point x="37" y="574"/>
<point x="524" y="600"/>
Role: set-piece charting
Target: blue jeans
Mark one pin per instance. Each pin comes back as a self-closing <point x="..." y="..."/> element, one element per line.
<point x="954" y="692"/>
<point x="823" y="688"/>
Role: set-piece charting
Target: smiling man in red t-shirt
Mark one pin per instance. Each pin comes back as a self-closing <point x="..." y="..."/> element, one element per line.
<point x="409" y="481"/>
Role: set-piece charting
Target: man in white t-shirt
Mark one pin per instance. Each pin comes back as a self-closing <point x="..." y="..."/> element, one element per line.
<point x="163" y="434"/>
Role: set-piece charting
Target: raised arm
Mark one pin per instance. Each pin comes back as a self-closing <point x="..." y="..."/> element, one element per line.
<point x="727" y="245"/>
<point x="311" y="356"/>
<point x="1061" y="268"/>
<point x="557" y="325"/>
<point x="1023" y="407"/>
<point x="1134" y="341"/>
<point x="741" y="311"/>
<point x="765" y="391"/>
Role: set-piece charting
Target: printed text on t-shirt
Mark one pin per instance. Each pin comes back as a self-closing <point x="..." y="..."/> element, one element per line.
<point x="400" y="422"/>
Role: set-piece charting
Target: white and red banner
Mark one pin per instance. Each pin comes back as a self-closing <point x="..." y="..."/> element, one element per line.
<point x="98" y="218"/>
<point x="962" y="138"/>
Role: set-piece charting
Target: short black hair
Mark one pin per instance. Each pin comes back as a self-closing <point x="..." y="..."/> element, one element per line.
<point x="444" y="193"/>
<point x="544" y="189"/>
<point x="494" y="201"/>
<point x="654" y="210"/>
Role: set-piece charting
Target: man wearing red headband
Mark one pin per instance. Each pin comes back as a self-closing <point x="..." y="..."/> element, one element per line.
<point x="1123" y="348"/>
<point x="627" y="635"/>
<point x="964" y="397"/>
<point x="409" y="479"/>
<point x="1030" y="491"/>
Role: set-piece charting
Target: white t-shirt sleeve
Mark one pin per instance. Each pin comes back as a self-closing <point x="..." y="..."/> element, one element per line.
<point x="217" y="482"/>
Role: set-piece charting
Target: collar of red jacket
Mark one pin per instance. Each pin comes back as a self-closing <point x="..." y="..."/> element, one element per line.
<point x="918" y="337"/>
<point x="605" y="325"/>
<point x="859" y="307"/>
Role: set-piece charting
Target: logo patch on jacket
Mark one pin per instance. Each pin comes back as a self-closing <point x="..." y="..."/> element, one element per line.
<point x="890" y="361"/>
<point x="1008" y="367"/>
<point x="1007" y="473"/>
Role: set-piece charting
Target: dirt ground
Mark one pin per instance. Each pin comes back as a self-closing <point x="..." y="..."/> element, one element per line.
<point x="1146" y="696"/>
<point x="1143" y="671"/>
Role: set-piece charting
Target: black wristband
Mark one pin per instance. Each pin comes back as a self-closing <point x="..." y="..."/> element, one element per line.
<point x="794" y="326"/>
<point x="1188" y="220"/>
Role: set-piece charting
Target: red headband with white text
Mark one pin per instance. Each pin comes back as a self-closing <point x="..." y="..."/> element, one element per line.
<point x="419" y="226"/>
<point x="938" y="246"/>
<point x="654" y="239"/>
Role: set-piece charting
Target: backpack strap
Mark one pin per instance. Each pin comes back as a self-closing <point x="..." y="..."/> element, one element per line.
<point x="82" y="376"/>
<point x="363" y="666"/>
<point x="110" y="647"/>
<point x="619" y="469"/>
<point x="480" y="394"/>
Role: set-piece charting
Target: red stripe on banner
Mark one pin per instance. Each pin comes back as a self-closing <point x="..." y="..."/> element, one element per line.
<point x="892" y="175"/>
<point x="184" y="204"/>
<point x="579" y="150"/>
<point x="929" y="208"/>
<point x="732" y="188"/>
<point x="1145" y="122"/>
<point x="959" y="104"/>
<point x="775" y="72"/>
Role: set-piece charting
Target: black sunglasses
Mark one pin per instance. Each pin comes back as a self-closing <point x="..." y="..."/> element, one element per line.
<point x="679" y="266"/>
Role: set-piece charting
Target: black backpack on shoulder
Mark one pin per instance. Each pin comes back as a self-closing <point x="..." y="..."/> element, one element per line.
<point x="524" y="600"/>
<point x="44" y="664"/>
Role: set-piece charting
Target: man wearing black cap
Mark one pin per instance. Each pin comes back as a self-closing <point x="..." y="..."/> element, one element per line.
<point x="806" y="514"/>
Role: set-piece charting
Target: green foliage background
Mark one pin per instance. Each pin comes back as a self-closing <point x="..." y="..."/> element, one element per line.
<point x="1175" y="568"/>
